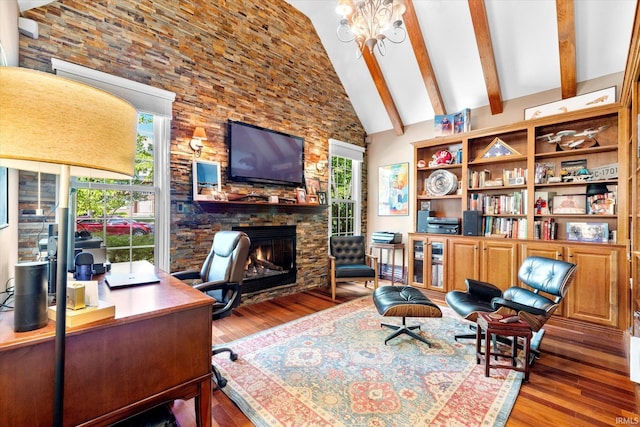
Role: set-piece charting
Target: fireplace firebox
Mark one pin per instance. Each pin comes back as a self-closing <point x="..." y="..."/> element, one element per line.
<point x="272" y="257"/>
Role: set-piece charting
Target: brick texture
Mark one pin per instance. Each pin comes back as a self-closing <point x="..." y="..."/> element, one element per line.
<point x="259" y="62"/>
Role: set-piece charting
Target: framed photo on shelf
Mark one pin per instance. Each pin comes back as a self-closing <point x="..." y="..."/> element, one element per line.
<point x="569" y="204"/>
<point x="597" y="232"/>
<point x="322" y="197"/>
<point x="206" y="181"/>
<point x="593" y="99"/>
<point x="312" y="199"/>
<point x="301" y="195"/>
<point x="497" y="148"/>
<point x="313" y="185"/>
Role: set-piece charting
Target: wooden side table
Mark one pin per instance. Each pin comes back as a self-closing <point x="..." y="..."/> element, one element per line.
<point x="491" y="325"/>
<point x="391" y="249"/>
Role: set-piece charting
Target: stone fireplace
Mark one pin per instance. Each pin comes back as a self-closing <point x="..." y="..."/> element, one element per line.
<point x="272" y="257"/>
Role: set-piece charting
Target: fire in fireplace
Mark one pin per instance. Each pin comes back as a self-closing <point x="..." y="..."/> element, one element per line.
<point x="272" y="257"/>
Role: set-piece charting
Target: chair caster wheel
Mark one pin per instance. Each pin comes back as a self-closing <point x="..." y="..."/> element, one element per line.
<point x="233" y="357"/>
<point x="222" y="382"/>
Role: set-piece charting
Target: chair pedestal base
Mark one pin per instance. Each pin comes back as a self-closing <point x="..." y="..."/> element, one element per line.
<point x="404" y="329"/>
<point x="220" y="380"/>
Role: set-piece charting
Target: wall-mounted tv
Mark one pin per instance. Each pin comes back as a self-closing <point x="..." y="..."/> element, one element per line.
<point x="264" y="156"/>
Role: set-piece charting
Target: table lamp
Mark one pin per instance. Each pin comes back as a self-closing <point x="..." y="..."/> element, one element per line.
<point x="54" y="125"/>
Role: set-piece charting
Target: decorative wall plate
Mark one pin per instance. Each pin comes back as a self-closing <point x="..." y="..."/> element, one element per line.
<point x="441" y="183"/>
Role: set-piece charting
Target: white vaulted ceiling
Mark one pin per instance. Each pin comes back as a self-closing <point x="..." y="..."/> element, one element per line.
<point x="525" y="41"/>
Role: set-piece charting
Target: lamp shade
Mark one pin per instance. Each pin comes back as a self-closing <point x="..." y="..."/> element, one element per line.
<point x="199" y="133"/>
<point x="47" y="121"/>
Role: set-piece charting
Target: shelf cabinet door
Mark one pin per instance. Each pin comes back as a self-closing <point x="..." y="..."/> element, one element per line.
<point x="500" y="263"/>
<point x="464" y="262"/>
<point x="593" y="295"/>
<point x="417" y="254"/>
<point x="436" y="263"/>
<point x="427" y="267"/>
<point x="545" y="250"/>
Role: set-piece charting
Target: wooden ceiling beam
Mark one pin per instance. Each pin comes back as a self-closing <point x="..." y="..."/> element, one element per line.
<point x="487" y="58"/>
<point x="422" y="56"/>
<point x="383" y="90"/>
<point x="567" y="47"/>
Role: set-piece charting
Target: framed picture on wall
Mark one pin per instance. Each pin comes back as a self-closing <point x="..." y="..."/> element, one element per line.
<point x="4" y="197"/>
<point x="393" y="189"/>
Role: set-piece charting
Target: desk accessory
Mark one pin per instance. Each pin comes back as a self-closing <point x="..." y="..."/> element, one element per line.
<point x="30" y="298"/>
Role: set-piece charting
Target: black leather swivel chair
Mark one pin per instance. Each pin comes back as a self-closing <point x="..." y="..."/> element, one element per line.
<point x="548" y="280"/>
<point x="221" y="278"/>
<point x="349" y="262"/>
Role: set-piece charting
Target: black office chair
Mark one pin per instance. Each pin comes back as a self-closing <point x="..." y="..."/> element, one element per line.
<point x="548" y="279"/>
<point x="221" y="278"/>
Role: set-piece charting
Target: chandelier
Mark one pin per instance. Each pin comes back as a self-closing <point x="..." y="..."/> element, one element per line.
<point x="371" y="22"/>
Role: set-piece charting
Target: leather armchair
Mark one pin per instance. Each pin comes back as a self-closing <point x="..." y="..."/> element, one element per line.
<point x="221" y="278"/>
<point x="547" y="281"/>
<point x="349" y="262"/>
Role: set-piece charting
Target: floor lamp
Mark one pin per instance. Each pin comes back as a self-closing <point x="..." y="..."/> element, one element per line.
<point x="50" y="124"/>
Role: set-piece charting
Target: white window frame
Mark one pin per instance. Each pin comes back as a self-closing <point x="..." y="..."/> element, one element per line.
<point x="150" y="100"/>
<point x="356" y="155"/>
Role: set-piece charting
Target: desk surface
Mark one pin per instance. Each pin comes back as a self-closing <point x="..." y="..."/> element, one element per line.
<point x="160" y="337"/>
<point x="132" y="304"/>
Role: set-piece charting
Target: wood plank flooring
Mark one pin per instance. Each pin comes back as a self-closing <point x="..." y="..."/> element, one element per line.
<point x="582" y="378"/>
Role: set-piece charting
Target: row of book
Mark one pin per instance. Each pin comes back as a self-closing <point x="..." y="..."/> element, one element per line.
<point x="545" y="229"/>
<point x="483" y="178"/>
<point x="500" y="204"/>
<point x="511" y="228"/>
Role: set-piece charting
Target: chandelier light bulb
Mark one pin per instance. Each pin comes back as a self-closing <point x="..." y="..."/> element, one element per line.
<point x="369" y="22"/>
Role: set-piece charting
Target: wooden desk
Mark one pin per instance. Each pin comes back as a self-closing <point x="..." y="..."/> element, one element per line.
<point x="157" y="349"/>
<point x="391" y="249"/>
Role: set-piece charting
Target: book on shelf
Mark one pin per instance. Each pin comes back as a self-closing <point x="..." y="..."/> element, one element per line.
<point x="104" y="310"/>
<point x="511" y="228"/>
<point x="501" y="204"/>
<point x="545" y="229"/>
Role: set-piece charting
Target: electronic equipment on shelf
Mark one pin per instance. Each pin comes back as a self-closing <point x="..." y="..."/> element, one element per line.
<point x="386" y="237"/>
<point x="443" y="225"/>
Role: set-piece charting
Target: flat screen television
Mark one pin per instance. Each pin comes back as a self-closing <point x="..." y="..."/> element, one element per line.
<point x="264" y="156"/>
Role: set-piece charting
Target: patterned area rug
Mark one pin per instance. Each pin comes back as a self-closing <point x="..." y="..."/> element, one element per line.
<point x="332" y="368"/>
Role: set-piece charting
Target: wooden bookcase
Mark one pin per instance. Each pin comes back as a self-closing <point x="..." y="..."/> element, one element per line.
<point x="495" y="256"/>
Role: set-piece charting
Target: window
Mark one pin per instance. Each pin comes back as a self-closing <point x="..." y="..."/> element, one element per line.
<point x="131" y="216"/>
<point x="122" y="213"/>
<point x="345" y="188"/>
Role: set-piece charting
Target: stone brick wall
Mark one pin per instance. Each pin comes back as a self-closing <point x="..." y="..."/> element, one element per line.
<point x="259" y="62"/>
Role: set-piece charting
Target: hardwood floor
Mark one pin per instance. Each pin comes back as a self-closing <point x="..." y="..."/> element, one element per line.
<point x="581" y="379"/>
